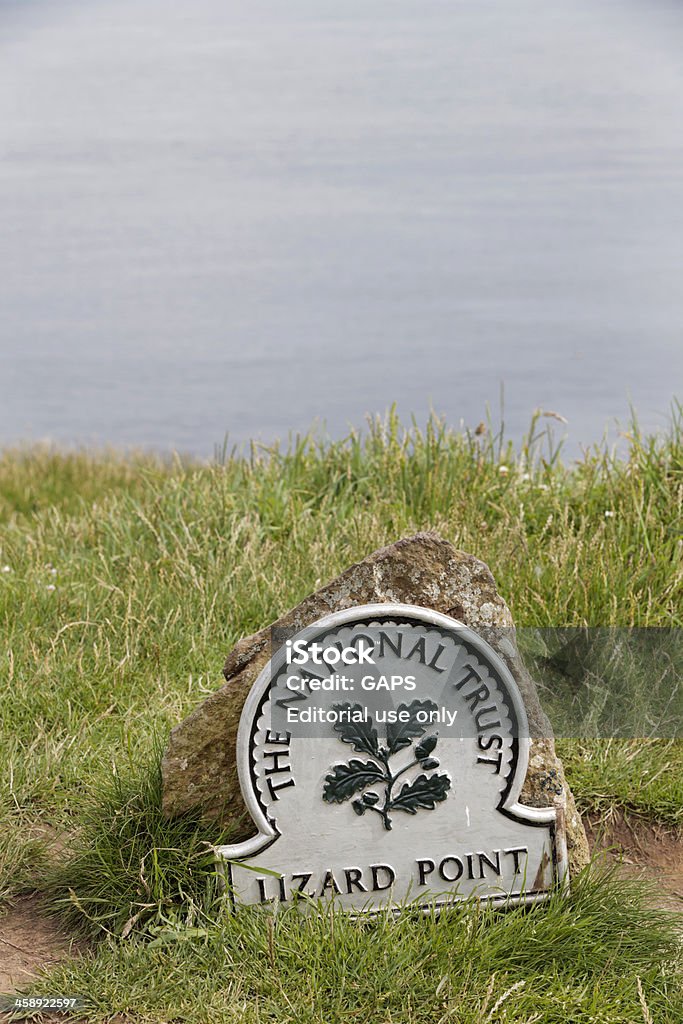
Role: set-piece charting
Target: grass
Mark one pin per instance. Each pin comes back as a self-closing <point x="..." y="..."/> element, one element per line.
<point x="600" y="956"/>
<point x="131" y="868"/>
<point x="127" y="580"/>
<point x="641" y="777"/>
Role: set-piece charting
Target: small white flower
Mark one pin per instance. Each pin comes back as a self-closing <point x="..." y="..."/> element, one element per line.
<point x="6" y="568"/>
<point x="526" y="476"/>
<point x="543" y="487"/>
<point x="609" y="514"/>
<point x="53" y="572"/>
<point x="51" y="587"/>
<point x="503" y="470"/>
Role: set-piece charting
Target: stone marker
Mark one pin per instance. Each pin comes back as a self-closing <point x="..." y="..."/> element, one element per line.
<point x="414" y="764"/>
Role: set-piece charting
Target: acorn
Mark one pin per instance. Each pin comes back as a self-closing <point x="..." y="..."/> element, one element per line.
<point x="425" y="747"/>
<point x="370" y="799"/>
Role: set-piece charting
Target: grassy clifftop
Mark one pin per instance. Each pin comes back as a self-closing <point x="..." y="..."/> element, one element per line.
<point x="125" y="581"/>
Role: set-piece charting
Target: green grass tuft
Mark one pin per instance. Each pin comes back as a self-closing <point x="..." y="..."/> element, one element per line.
<point x="128" y="867"/>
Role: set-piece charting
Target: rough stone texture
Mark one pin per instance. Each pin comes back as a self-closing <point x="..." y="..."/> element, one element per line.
<point x="199" y="769"/>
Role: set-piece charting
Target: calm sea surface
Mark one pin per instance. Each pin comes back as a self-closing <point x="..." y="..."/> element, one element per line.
<point x="237" y="217"/>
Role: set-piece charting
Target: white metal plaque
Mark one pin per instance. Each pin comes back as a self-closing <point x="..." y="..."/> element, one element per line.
<point x="381" y="754"/>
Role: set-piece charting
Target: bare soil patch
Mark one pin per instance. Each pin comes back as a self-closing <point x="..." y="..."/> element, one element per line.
<point x="642" y="850"/>
<point x="29" y="942"/>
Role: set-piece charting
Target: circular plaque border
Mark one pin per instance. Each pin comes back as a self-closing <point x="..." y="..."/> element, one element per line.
<point x="363" y="615"/>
